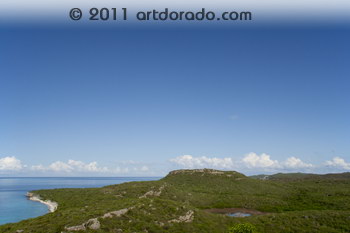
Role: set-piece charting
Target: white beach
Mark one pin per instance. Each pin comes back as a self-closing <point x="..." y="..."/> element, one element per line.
<point x="52" y="206"/>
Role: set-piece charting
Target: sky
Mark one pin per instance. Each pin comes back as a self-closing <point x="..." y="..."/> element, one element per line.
<point x="141" y="101"/>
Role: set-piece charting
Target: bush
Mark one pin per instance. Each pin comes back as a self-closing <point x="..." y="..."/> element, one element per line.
<point x="242" y="228"/>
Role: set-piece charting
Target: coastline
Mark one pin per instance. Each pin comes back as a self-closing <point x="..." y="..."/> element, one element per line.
<point x="51" y="205"/>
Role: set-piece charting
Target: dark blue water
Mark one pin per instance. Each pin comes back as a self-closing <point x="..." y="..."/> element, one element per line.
<point x="14" y="206"/>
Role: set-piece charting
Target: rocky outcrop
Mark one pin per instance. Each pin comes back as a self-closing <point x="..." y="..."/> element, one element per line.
<point x="153" y="192"/>
<point x="94" y="223"/>
<point x="76" y="228"/>
<point x="188" y="217"/>
<point x="116" y="213"/>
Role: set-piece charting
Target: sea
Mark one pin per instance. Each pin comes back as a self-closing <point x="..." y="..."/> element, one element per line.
<point x="14" y="205"/>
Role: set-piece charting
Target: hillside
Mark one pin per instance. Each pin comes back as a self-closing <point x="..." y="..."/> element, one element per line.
<point x="196" y="201"/>
<point x="303" y="176"/>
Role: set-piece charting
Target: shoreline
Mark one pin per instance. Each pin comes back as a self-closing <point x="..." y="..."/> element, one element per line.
<point x="51" y="205"/>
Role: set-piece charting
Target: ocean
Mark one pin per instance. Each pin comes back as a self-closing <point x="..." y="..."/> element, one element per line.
<point x="14" y="206"/>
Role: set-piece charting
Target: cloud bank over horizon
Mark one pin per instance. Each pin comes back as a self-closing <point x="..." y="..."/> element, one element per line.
<point x="253" y="163"/>
<point x="13" y="166"/>
<point x="250" y="163"/>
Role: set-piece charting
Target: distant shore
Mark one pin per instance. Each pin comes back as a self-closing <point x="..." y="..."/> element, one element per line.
<point x="51" y="205"/>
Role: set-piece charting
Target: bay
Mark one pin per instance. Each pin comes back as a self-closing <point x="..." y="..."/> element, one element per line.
<point x="14" y="205"/>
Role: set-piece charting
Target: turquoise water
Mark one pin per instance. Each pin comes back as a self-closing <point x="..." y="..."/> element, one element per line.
<point x="14" y="206"/>
<point x="239" y="215"/>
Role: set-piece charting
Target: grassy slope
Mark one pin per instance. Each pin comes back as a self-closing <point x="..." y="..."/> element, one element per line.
<point x="304" y="204"/>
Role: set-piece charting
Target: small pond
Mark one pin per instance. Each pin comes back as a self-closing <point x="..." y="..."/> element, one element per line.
<point x="238" y="215"/>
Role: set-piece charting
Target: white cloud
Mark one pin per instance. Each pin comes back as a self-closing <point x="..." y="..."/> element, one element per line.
<point x="89" y="167"/>
<point x="59" y="166"/>
<point x="76" y="167"/>
<point x="10" y="164"/>
<point x="122" y="170"/>
<point x="252" y="160"/>
<point x="264" y="161"/>
<point x="339" y="163"/>
<point x="144" y="168"/>
<point x="188" y="161"/>
<point x="38" y="168"/>
<point x="250" y="163"/>
<point x="71" y="166"/>
<point x="296" y="163"/>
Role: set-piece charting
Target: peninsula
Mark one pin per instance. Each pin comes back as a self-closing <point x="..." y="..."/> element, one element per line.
<point x="201" y="200"/>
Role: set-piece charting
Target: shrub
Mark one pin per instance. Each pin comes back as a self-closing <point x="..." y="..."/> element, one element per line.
<point x="242" y="228"/>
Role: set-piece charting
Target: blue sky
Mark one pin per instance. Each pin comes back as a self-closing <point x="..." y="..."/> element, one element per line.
<point x="143" y="101"/>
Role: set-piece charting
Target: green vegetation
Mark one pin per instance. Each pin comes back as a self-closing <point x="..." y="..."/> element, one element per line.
<point x="302" y="203"/>
<point x="302" y="176"/>
<point x="242" y="228"/>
